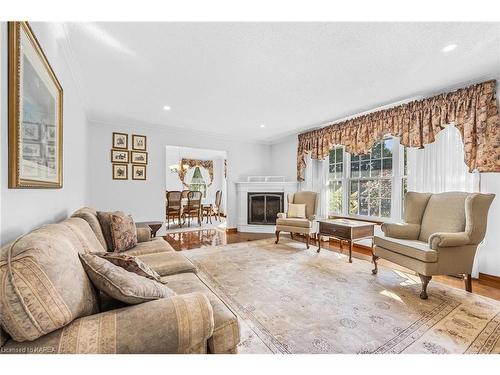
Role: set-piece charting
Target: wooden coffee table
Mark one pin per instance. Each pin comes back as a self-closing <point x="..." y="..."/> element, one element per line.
<point x="153" y="225"/>
<point x="345" y="230"/>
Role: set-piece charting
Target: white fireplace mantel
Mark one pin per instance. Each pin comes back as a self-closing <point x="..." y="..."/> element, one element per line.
<point x="245" y="187"/>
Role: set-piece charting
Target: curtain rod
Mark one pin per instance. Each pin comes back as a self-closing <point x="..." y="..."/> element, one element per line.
<point x="452" y="88"/>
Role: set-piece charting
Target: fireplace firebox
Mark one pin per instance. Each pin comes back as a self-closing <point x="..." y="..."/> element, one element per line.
<point x="263" y="208"/>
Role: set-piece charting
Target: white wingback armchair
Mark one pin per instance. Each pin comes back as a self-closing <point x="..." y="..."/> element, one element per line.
<point x="299" y="225"/>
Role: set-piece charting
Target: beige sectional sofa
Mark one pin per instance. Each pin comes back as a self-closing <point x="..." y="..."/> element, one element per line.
<point x="49" y="305"/>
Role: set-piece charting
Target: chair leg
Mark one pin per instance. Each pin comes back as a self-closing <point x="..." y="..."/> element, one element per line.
<point x="291" y="235"/>
<point x="375" y="269"/>
<point x="468" y="282"/>
<point x="277" y="236"/>
<point x="425" y="281"/>
<point x="307" y="240"/>
<point x="168" y="221"/>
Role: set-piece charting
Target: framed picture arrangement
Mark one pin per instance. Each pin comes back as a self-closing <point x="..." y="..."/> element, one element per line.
<point x="35" y="113"/>
<point x="121" y="156"/>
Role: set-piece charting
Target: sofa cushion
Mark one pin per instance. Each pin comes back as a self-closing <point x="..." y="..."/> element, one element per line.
<point x="120" y="284"/>
<point x="43" y="285"/>
<point x="308" y="198"/>
<point x="90" y="216"/>
<point x="168" y="263"/>
<point x="105" y="221"/>
<point x="411" y="248"/>
<point x="123" y="232"/>
<point x="226" y="335"/>
<point x="296" y="210"/>
<point x="156" y="245"/>
<point x="444" y="212"/>
<point x="294" y="222"/>
<point x="131" y="264"/>
<point x="81" y="229"/>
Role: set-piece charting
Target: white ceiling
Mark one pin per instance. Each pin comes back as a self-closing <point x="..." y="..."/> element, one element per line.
<point x="228" y="78"/>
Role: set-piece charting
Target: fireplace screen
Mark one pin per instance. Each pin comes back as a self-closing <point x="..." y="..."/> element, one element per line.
<point x="263" y="208"/>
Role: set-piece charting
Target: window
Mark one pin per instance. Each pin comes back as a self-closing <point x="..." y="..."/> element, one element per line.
<point x="404" y="180"/>
<point x="335" y="175"/>
<point x="371" y="184"/>
<point x="198" y="183"/>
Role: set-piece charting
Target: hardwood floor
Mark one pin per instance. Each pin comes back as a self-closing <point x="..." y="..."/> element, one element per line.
<point x="217" y="237"/>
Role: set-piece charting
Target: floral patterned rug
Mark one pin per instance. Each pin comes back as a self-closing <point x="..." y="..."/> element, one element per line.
<point x="293" y="300"/>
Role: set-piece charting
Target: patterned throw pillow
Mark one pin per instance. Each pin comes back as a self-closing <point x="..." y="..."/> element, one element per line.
<point x="120" y="284"/>
<point x="131" y="264"/>
<point x="123" y="232"/>
<point x="105" y="221"/>
<point x="297" y="210"/>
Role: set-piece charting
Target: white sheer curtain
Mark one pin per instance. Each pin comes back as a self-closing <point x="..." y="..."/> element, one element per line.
<point x="189" y="175"/>
<point x="316" y="179"/>
<point x="440" y="166"/>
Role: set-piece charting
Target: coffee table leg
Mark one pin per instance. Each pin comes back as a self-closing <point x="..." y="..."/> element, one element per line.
<point x="350" y="251"/>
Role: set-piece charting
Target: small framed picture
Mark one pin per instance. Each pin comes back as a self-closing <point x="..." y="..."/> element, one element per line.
<point x="138" y="172"/>
<point x="119" y="156"/>
<point x="138" y="142"/>
<point x="120" y="140"/>
<point x="139" y="157"/>
<point x="120" y="171"/>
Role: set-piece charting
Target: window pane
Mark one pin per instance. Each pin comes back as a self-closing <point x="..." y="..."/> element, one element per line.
<point x="385" y="189"/>
<point x="387" y="166"/>
<point x="387" y="150"/>
<point x="363" y="189"/>
<point x="353" y="198"/>
<point x="374" y="189"/>
<point x="331" y="168"/>
<point x="338" y="170"/>
<point x="355" y="169"/>
<point x="385" y="208"/>
<point x="405" y="161"/>
<point x="377" y="150"/>
<point x="365" y="168"/>
<point x="335" y="197"/>
<point x="375" y="208"/>
<point x="338" y="154"/>
<point x="332" y="156"/>
<point x="363" y="206"/>
<point x="376" y="166"/>
<point x="354" y="157"/>
<point x="365" y="156"/>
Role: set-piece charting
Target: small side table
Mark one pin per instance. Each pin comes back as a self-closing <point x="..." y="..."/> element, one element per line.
<point x="153" y="225"/>
<point x="345" y="230"/>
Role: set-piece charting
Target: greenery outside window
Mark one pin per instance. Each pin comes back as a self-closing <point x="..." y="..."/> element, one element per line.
<point x="197" y="183"/>
<point x="335" y="176"/>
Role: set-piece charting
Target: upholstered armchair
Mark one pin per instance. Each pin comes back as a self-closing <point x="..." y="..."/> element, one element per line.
<point x="440" y="235"/>
<point x="305" y="225"/>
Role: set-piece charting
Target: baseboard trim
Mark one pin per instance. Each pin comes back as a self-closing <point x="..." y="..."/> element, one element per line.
<point x="231" y="230"/>
<point x="490" y="280"/>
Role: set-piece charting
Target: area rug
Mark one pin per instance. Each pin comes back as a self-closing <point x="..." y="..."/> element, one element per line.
<point x="293" y="300"/>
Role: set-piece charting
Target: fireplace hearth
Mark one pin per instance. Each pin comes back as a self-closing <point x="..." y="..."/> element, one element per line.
<point x="263" y="207"/>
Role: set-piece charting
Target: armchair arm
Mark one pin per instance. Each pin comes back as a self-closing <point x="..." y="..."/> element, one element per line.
<point x="312" y="217"/>
<point x="443" y="239"/>
<point x="281" y="215"/>
<point x="404" y="231"/>
<point x="143" y="234"/>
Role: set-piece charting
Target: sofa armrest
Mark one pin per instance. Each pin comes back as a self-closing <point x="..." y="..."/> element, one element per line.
<point x="143" y="234"/>
<point x="281" y="215"/>
<point x="443" y="239"/>
<point x="311" y="218"/>
<point x="403" y="231"/>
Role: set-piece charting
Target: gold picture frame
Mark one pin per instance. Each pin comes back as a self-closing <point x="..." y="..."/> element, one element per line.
<point x="120" y="156"/>
<point x="35" y="113"/>
<point x="139" y="142"/>
<point x="139" y="157"/>
<point x="120" y="171"/>
<point x="139" y="171"/>
<point x="120" y="141"/>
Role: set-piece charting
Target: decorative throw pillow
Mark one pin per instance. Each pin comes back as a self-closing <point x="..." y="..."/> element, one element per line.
<point x="123" y="232"/>
<point x="296" y="210"/>
<point x="105" y="221"/>
<point x="131" y="264"/>
<point x="120" y="284"/>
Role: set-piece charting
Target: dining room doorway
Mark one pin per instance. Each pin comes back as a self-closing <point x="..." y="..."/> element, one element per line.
<point x="195" y="189"/>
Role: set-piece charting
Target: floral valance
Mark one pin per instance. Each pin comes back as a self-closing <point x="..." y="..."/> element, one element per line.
<point x="187" y="164"/>
<point x="473" y="110"/>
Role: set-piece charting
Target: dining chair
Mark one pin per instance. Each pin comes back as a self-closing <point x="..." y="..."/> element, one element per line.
<point x="173" y="206"/>
<point x="210" y="209"/>
<point x="193" y="207"/>
<point x="185" y="194"/>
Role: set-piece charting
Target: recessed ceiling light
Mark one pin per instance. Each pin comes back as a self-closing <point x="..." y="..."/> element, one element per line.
<point x="449" y="48"/>
<point x="166" y="108"/>
<point x="262" y="125"/>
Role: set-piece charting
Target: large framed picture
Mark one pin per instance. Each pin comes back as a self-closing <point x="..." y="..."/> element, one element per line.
<point x="35" y="114"/>
<point x="138" y="142"/>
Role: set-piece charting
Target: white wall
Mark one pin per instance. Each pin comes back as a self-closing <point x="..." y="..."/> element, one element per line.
<point x="284" y="158"/>
<point x="145" y="199"/>
<point x="26" y="209"/>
